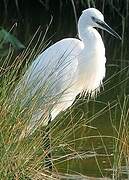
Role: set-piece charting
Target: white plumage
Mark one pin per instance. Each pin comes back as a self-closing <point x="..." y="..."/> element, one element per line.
<point x="67" y="68"/>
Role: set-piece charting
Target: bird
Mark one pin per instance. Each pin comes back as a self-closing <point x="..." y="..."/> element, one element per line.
<point x="65" y="69"/>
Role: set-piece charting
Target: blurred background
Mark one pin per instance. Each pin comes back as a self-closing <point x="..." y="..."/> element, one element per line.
<point x="61" y="17"/>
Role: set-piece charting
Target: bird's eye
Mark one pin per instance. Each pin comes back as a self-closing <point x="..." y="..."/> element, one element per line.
<point x="93" y="18"/>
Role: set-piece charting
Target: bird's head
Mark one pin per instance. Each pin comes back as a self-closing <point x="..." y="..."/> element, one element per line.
<point x="95" y="18"/>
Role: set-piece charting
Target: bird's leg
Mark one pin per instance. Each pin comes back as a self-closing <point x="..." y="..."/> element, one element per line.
<point x="47" y="146"/>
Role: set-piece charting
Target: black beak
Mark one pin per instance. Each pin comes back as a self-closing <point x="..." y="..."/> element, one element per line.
<point x="107" y="28"/>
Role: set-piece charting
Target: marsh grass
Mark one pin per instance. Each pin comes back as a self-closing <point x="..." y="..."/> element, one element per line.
<point x="121" y="148"/>
<point x="74" y="135"/>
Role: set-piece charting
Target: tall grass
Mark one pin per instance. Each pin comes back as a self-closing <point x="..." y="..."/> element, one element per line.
<point x="121" y="143"/>
<point x="73" y="135"/>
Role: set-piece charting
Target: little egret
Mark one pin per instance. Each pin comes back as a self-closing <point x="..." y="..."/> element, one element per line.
<point x="67" y="68"/>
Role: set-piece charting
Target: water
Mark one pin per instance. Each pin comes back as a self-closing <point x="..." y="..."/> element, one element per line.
<point x="94" y="141"/>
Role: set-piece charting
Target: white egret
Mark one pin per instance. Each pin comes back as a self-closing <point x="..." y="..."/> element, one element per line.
<point x="68" y="68"/>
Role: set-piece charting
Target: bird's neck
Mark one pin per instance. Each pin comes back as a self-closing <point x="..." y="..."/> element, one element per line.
<point x="91" y="68"/>
<point x="91" y="38"/>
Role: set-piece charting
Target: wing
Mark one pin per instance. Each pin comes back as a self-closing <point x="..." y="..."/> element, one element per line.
<point x="54" y="69"/>
<point x="53" y="72"/>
